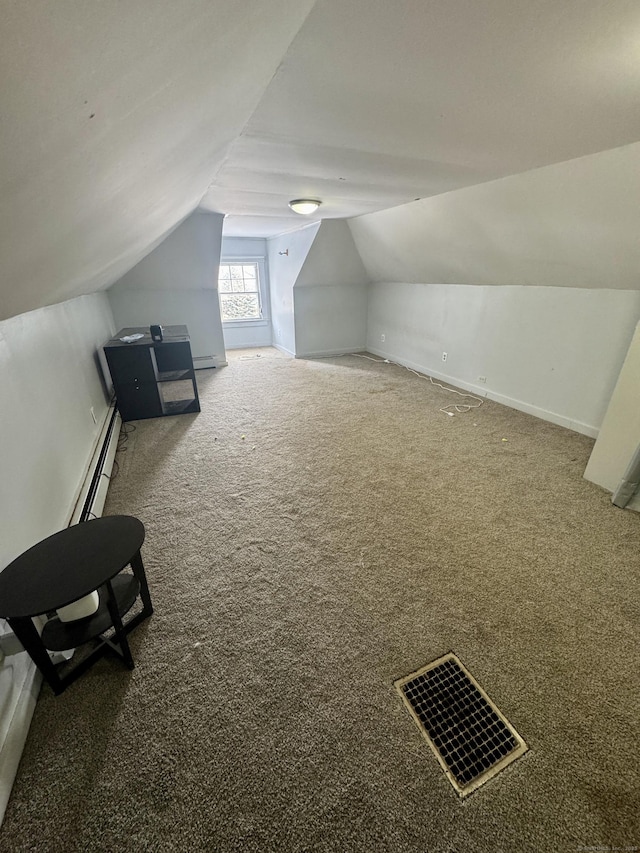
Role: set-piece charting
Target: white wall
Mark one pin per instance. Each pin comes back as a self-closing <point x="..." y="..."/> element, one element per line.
<point x="553" y="352"/>
<point x="192" y="308"/>
<point x="330" y="320"/>
<point x="330" y="295"/>
<point x="530" y="281"/>
<point x="50" y="379"/>
<point x="283" y="272"/>
<point x="244" y="247"/>
<point x="253" y="333"/>
<point x="177" y="283"/>
<point x="318" y="290"/>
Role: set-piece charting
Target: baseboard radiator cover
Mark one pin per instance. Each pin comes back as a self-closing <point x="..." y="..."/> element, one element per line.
<point x="200" y="362"/>
<point x="22" y="677"/>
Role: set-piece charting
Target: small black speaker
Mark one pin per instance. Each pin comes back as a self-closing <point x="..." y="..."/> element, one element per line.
<point x="156" y="333"/>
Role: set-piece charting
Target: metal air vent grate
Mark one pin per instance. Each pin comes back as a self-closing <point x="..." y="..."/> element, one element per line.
<point x="472" y="740"/>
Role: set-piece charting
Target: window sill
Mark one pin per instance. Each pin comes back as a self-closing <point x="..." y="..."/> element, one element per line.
<point x="230" y="324"/>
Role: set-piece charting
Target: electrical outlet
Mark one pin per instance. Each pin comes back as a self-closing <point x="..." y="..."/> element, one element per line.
<point x="444" y="356"/>
<point x="93" y="415"/>
<point x="383" y="337"/>
<point x="482" y="378"/>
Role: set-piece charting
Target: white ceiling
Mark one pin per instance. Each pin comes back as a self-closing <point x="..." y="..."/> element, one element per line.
<point x="377" y="103"/>
<point x="115" y="118"/>
<point x="119" y="119"/>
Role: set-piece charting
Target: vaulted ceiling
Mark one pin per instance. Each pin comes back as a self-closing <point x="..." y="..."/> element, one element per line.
<point x="377" y="103"/>
<point x="116" y="117"/>
<point x="119" y="119"/>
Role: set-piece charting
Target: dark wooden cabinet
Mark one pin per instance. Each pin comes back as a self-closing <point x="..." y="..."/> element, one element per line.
<point x="153" y="378"/>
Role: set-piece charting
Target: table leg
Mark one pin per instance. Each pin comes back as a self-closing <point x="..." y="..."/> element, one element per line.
<point x="139" y="572"/>
<point x="27" y="633"/>
<point x="116" y="619"/>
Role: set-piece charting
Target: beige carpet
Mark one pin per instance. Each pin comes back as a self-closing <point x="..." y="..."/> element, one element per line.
<point x="319" y="530"/>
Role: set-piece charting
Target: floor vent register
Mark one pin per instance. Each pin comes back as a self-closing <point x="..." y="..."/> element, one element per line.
<point x="471" y="738"/>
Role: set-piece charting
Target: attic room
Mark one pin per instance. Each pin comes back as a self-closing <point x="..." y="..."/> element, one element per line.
<point x="407" y="458"/>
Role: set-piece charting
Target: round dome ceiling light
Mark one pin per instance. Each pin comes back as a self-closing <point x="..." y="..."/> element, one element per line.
<point x="304" y="206"/>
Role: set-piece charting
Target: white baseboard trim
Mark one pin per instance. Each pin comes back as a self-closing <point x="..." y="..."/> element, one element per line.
<point x="284" y="350"/>
<point x="481" y="391"/>
<point x="327" y="353"/>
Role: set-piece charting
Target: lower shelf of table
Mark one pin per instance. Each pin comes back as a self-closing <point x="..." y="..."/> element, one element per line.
<point x="57" y="636"/>
<point x="180" y="407"/>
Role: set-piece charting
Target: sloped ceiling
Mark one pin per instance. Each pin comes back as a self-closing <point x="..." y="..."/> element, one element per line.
<point x="117" y="118"/>
<point x="377" y="102"/>
<point x="571" y="224"/>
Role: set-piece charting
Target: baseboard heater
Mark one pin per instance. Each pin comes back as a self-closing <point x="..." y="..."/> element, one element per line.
<point x="89" y="504"/>
<point x="93" y="493"/>
<point x="202" y="361"/>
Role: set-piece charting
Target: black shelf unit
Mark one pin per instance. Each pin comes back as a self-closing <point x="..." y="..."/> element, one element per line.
<point x="142" y="370"/>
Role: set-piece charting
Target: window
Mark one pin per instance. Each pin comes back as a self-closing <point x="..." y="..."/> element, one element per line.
<point x="239" y="288"/>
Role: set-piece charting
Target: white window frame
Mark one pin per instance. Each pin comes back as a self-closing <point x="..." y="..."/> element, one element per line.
<point x="260" y="261"/>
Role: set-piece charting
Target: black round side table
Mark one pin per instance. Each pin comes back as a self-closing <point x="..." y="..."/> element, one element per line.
<point x="65" y="567"/>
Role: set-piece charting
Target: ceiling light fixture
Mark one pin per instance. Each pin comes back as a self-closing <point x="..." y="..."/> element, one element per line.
<point x="304" y="206"/>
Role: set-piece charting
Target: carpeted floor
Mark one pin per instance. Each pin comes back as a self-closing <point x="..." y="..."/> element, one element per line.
<point x="319" y="530"/>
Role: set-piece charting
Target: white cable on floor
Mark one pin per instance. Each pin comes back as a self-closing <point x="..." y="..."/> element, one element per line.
<point x="461" y="408"/>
